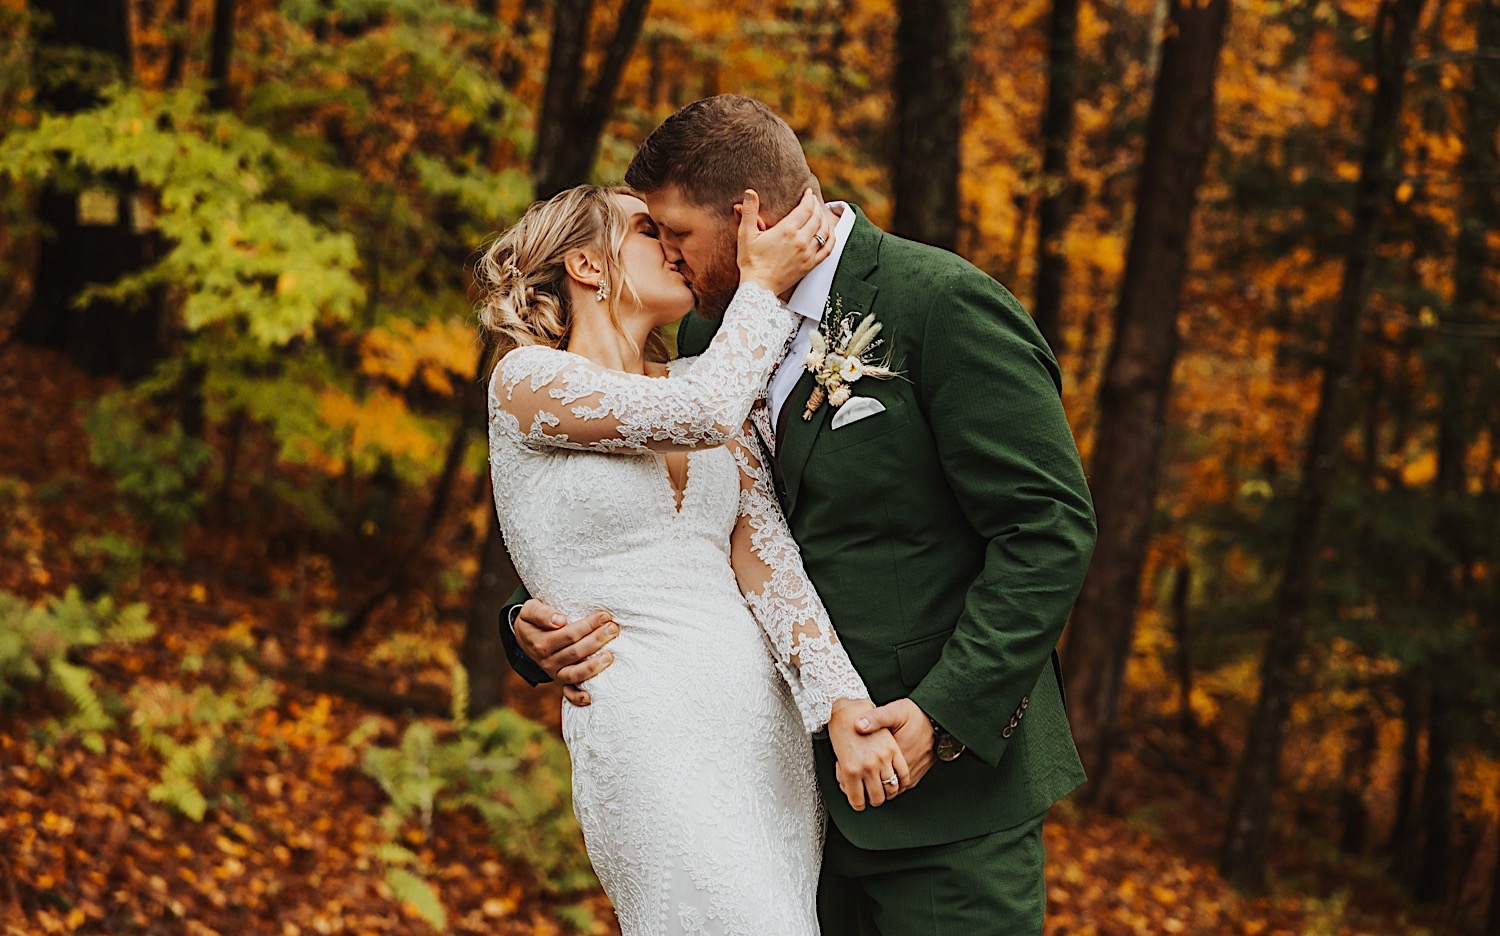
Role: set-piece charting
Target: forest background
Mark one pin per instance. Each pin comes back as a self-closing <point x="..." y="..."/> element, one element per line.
<point x="249" y="678"/>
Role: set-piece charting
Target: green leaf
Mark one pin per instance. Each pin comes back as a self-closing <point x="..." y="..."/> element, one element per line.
<point x="411" y="889"/>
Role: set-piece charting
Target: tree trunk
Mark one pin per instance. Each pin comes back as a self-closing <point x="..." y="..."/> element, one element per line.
<point x="483" y="654"/>
<point x="93" y="239"/>
<point x="177" y="61"/>
<point x="1182" y="587"/>
<point x="471" y="413"/>
<point x="1492" y="919"/>
<point x="1399" y="844"/>
<point x="221" y="54"/>
<point x="1438" y="787"/>
<point x="932" y="64"/>
<point x="1354" y="814"/>
<point x="573" y="114"/>
<point x="1479" y="167"/>
<point x="1057" y="188"/>
<point x="1138" y="378"/>
<point x="189" y="392"/>
<point x="1243" y="858"/>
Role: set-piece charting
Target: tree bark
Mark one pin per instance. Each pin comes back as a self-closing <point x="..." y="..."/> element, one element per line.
<point x="932" y="64"/>
<point x="1399" y="844"/>
<point x="1438" y="788"/>
<point x="471" y="407"/>
<point x="1057" y="188"/>
<point x="483" y="654"/>
<point x="1138" y="377"/>
<point x="221" y="54"/>
<point x="93" y="240"/>
<point x="1354" y="814"/>
<point x="177" y="62"/>
<point x="1479" y="168"/>
<point x="1182" y="587"/>
<point x="1243" y="858"/>
<point x="1492" y="919"/>
<point x="573" y="113"/>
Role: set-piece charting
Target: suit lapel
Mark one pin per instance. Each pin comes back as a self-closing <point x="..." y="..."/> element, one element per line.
<point x="795" y="437"/>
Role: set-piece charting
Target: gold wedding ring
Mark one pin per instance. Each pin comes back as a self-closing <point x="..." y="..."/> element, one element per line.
<point x="820" y="239"/>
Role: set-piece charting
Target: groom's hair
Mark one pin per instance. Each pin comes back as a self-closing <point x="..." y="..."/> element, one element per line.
<point x="714" y="149"/>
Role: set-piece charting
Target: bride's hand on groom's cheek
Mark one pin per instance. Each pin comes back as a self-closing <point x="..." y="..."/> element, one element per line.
<point x="568" y="651"/>
<point x="777" y="256"/>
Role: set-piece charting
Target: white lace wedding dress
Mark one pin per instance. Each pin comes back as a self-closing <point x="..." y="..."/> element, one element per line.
<point x="692" y="769"/>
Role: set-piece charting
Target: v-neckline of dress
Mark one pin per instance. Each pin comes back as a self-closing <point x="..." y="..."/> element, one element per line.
<point x="678" y="499"/>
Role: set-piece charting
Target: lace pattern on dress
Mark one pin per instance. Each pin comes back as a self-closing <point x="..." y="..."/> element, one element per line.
<point x="768" y="567"/>
<point x="564" y="400"/>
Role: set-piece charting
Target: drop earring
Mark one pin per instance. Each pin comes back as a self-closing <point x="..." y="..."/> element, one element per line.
<point x="603" y="292"/>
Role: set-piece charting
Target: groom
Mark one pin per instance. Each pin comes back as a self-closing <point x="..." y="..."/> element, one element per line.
<point x="947" y="529"/>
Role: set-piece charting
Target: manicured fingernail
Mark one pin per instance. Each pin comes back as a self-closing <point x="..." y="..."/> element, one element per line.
<point x="559" y="619"/>
<point x="613" y="630"/>
<point x="864" y="723"/>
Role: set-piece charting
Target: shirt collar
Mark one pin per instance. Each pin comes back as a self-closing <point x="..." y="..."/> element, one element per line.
<point x="811" y="295"/>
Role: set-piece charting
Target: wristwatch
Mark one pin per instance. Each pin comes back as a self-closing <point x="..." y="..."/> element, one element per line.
<point x="945" y="747"/>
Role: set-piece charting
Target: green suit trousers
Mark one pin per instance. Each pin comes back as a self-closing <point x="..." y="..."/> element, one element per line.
<point x="989" y="885"/>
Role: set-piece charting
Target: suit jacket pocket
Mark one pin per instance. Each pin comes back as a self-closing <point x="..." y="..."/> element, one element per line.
<point x="896" y="415"/>
<point x="916" y="657"/>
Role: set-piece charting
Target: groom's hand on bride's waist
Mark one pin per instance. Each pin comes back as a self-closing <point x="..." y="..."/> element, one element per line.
<point x="913" y="731"/>
<point x="568" y="651"/>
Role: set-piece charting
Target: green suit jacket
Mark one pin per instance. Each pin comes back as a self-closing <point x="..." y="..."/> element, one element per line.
<point x="948" y="536"/>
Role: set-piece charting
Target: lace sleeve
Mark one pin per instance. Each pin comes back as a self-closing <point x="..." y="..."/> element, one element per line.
<point x="768" y="567"/>
<point x="565" y="400"/>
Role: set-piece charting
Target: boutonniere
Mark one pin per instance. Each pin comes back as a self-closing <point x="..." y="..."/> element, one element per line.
<point x="842" y="352"/>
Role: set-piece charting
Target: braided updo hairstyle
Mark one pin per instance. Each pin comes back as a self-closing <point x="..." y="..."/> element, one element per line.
<point x="523" y="283"/>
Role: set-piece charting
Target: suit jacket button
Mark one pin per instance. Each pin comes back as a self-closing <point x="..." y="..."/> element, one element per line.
<point x="1006" y="733"/>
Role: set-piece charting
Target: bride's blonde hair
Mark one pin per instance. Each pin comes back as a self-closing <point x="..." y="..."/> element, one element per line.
<point x="523" y="283"/>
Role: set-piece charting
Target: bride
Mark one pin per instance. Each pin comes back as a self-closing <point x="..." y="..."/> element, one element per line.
<point x="627" y="484"/>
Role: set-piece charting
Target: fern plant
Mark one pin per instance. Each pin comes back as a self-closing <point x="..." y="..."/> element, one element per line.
<point x="36" y="642"/>
<point x="199" y="735"/>
<point x="509" y="770"/>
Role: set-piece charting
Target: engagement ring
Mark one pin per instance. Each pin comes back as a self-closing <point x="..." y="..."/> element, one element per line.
<point x="891" y="780"/>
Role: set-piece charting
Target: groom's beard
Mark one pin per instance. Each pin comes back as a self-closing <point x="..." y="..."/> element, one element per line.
<point x="714" y="286"/>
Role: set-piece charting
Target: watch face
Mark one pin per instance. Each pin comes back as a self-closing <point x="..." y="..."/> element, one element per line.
<point x="948" y="748"/>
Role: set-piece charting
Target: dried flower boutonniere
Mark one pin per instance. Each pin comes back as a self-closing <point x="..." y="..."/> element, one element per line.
<point x="842" y="352"/>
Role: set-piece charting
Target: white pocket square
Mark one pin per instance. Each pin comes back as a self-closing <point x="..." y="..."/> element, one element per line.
<point x="855" y="409"/>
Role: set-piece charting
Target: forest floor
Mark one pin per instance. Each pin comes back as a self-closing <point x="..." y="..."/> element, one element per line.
<point x="290" y="844"/>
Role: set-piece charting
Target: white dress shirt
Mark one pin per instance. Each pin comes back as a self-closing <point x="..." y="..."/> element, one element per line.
<point x="808" y="301"/>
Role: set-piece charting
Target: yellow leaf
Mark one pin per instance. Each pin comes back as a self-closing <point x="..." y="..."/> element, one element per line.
<point x="1421" y="471"/>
